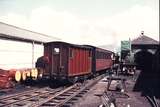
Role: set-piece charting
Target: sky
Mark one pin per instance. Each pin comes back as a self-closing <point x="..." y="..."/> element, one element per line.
<point x="93" y="22"/>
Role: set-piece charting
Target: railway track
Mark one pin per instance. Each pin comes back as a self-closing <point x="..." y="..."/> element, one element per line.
<point x="26" y="98"/>
<point x="18" y="94"/>
<point x="153" y="101"/>
<point x="47" y="96"/>
<point x="69" y="96"/>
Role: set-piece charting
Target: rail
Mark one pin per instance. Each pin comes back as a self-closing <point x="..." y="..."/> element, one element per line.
<point x="47" y="96"/>
<point x="67" y="96"/>
<point x="26" y="98"/>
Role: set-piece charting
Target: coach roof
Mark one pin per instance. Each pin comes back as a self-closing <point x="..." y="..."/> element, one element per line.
<point x="68" y="44"/>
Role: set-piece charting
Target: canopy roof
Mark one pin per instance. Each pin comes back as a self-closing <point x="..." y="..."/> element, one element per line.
<point x="144" y="40"/>
<point x="19" y="34"/>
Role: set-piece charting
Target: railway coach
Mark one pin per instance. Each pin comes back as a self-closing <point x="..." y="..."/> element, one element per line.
<point x="101" y="59"/>
<point x="65" y="61"/>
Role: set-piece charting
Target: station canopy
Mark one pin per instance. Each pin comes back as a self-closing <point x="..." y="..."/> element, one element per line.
<point x="11" y="32"/>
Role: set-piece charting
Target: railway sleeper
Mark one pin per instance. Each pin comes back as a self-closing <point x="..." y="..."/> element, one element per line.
<point x="79" y="95"/>
<point x="16" y="98"/>
<point x="59" y="98"/>
<point x="1" y="105"/>
<point x="19" y="104"/>
<point x="70" y="103"/>
<point x="52" y="93"/>
<point x="65" y="95"/>
<point x="10" y="101"/>
<point x="44" y="96"/>
<point x="34" y="99"/>
<point x="54" y="101"/>
<point x="74" y="99"/>
<point x="2" y="102"/>
<point x="85" y="91"/>
<point x="28" y="95"/>
<point x="49" y="104"/>
<point x="74" y="90"/>
<point x="66" y="105"/>
<point x="69" y="93"/>
<point x="82" y="93"/>
<point x="37" y="92"/>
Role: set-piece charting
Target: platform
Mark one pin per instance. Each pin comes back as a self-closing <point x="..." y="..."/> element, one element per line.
<point x="93" y="99"/>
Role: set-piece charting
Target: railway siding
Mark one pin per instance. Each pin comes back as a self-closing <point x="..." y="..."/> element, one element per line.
<point x="69" y="95"/>
<point x="47" y="96"/>
<point x="26" y="98"/>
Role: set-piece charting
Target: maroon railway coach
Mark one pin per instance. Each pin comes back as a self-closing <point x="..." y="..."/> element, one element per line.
<point x="101" y="59"/>
<point x="69" y="61"/>
<point x="66" y="61"/>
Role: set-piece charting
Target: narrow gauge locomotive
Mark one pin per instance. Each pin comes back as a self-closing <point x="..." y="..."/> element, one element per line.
<point x="65" y="61"/>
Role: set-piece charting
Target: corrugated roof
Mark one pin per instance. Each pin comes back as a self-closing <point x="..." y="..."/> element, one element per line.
<point x="144" y="40"/>
<point x="12" y="32"/>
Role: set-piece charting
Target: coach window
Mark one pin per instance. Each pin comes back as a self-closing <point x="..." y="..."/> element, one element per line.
<point x="98" y="55"/>
<point x="56" y="50"/>
<point x="101" y="55"/>
<point x="107" y="56"/>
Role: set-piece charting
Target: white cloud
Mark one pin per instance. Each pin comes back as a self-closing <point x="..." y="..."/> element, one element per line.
<point x="88" y="30"/>
<point x="71" y="28"/>
<point x="132" y="21"/>
<point x="15" y="19"/>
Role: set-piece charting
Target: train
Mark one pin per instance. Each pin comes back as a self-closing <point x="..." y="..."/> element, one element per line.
<point x="72" y="62"/>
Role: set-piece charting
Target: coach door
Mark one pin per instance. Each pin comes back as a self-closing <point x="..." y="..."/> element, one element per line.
<point x="55" y="60"/>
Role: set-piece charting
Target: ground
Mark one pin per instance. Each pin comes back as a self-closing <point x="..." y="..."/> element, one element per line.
<point x="93" y="99"/>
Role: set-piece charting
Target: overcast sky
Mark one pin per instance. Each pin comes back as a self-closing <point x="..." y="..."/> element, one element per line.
<point x="95" y="22"/>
